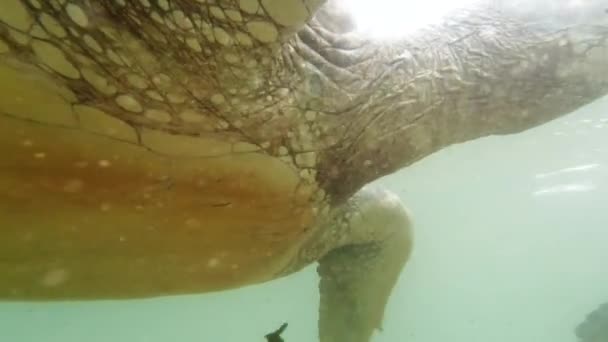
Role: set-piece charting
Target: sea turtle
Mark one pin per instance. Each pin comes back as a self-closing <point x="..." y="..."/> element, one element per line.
<point x="161" y="147"/>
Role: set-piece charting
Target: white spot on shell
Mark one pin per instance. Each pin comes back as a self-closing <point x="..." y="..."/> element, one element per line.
<point x="213" y="262"/>
<point x="28" y="236"/>
<point x="193" y="223"/>
<point x="55" y="277"/>
<point x="81" y="164"/>
<point x="104" y="163"/>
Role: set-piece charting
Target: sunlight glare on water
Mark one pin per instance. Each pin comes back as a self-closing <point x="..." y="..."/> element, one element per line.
<point x="389" y="19"/>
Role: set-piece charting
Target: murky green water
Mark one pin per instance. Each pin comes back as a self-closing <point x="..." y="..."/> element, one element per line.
<point x="511" y="245"/>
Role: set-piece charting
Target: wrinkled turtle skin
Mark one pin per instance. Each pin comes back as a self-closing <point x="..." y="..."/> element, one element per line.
<point x="161" y="147"/>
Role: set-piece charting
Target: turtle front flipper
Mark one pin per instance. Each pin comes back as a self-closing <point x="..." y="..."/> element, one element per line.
<point x="358" y="276"/>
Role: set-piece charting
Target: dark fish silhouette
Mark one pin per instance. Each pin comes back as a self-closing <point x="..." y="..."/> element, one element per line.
<point x="276" y="335"/>
<point x="595" y="326"/>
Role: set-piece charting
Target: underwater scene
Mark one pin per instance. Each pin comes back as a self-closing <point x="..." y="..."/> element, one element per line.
<point x="511" y="237"/>
<point x="303" y="170"/>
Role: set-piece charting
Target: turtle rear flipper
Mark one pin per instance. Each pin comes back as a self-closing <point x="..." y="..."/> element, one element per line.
<point x="357" y="278"/>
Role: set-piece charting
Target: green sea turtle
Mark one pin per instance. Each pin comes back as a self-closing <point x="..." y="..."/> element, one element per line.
<point x="161" y="147"/>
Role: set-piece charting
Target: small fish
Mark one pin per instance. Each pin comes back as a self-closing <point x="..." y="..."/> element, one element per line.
<point x="276" y="335"/>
